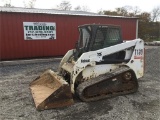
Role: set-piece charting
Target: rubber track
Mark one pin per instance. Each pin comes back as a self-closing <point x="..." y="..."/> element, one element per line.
<point x="100" y="78"/>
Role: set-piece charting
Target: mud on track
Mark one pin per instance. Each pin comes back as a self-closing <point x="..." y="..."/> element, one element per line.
<point x="16" y="101"/>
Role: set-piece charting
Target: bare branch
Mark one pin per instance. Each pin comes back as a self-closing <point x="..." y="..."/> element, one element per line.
<point x="101" y="11"/>
<point x="136" y="10"/>
<point x="78" y="8"/>
<point x="122" y="11"/>
<point x="83" y="8"/>
<point x="155" y="13"/>
<point x="29" y="4"/>
<point x="65" y="5"/>
<point x="7" y="3"/>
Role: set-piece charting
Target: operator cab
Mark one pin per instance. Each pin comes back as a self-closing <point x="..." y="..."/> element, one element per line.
<point x="96" y="36"/>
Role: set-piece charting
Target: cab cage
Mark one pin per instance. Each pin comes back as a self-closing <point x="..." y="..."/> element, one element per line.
<point x="94" y="37"/>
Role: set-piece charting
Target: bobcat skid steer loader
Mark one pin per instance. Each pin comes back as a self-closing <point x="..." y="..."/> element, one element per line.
<point x="101" y="66"/>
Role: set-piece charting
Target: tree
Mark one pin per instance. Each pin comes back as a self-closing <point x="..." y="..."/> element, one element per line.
<point x="155" y="13"/>
<point x="144" y="26"/>
<point x="101" y="11"/>
<point x="83" y="8"/>
<point x="108" y="12"/>
<point x="65" y="5"/>
<point x="7" y="3"/>
<point x="78" y="8"/>
<point x="133" y="11"/>
<point x="147" y="29"/>
<point x="122" y="11"/>
<point x="136" y="10"/>
<point x="29" y="4"/>
<point x="144" y="17"/>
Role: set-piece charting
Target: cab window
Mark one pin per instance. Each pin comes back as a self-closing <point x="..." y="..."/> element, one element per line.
<point x="106" y="37"/>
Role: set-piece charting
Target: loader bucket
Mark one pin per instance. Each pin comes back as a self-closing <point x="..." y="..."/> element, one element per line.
<point x="50" y="91"/>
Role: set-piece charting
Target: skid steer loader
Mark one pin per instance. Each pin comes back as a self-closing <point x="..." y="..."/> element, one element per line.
<point x="102" y="65"/>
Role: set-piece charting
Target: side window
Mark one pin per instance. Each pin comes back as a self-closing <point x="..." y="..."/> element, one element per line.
<point x="85" y="37"/>
<point x="106" y="37"/>
<point x="113" y="37"/>
<point x="99" y="40"/>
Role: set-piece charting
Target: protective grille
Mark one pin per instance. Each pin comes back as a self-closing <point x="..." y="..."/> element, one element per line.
<point x="106" y="37"/>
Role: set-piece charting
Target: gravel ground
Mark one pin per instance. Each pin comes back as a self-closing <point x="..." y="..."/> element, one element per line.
<point x="17" y="103"/>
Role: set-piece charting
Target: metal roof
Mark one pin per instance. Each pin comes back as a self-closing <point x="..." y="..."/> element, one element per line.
<point x="54" y="11"/>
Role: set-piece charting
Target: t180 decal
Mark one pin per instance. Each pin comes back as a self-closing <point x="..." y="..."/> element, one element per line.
<point x="138" y="54"/>
<point x="138" y="51"/>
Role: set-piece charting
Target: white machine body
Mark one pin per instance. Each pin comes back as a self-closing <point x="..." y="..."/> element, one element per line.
<point x="86" y="64"/>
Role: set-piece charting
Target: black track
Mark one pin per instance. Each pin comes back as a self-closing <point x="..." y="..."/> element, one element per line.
<point x="108" y="85"/>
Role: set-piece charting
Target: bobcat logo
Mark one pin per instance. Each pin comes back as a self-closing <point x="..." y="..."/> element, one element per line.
<point x="85" y="60"/>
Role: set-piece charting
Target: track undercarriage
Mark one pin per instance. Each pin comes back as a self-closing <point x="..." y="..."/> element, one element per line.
<point x="118" y="82"/>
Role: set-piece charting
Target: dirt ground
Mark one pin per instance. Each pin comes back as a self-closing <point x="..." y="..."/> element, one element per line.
<point x="16" y="101"/>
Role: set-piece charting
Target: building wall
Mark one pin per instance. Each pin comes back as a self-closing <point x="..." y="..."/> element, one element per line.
<point x="13" y="45"/>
